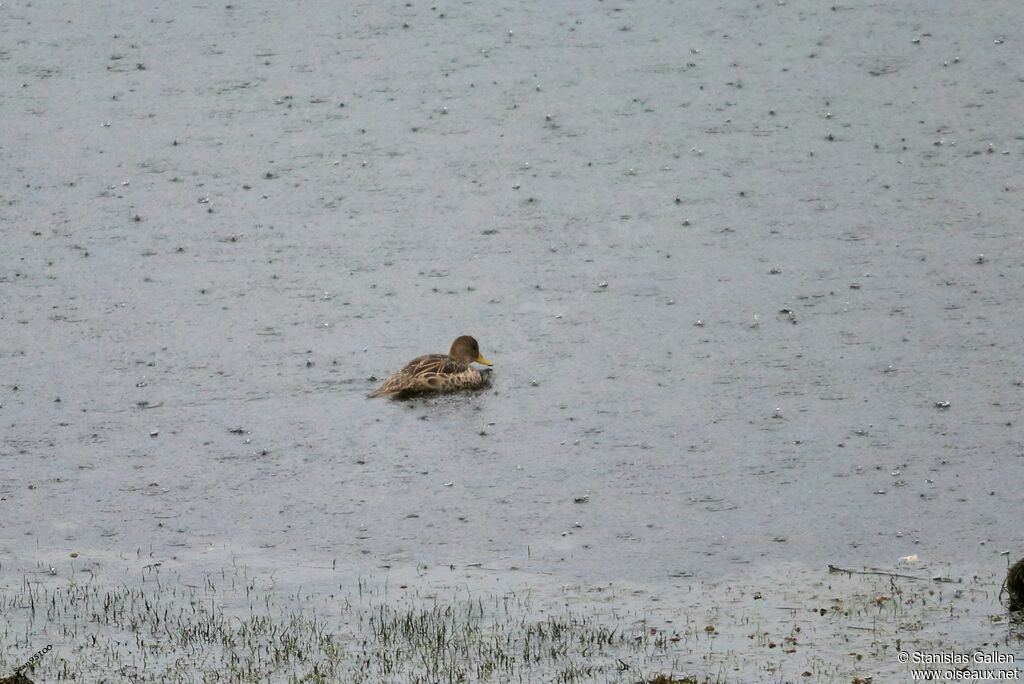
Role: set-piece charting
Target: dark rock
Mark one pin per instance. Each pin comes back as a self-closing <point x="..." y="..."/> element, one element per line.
<point x="1015" y="585"/>
<point x="16" y="679"/>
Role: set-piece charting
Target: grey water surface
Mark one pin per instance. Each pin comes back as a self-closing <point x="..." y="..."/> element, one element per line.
<point x="750" y="275"/>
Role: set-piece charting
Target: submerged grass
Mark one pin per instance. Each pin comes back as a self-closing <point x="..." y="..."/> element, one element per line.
<point x="231" y="627"/>
<point x="186" y="633"/>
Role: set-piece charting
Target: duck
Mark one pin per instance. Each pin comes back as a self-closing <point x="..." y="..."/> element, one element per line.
<point x="438" y="373"/>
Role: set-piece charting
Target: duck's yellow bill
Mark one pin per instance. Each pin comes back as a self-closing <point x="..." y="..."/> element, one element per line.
<point x="480" y="358"/>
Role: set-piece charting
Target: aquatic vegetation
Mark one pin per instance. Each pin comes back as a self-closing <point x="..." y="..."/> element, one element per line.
<point x="232" y="633"/>
<point x="232" y="626"/>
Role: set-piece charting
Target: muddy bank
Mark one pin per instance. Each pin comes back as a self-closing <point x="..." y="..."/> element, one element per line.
<point x="476" y="623"/>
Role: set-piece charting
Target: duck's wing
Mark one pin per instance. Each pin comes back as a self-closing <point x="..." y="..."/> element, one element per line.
<point x="433" y="365"/>
<point x="422" y="374"/>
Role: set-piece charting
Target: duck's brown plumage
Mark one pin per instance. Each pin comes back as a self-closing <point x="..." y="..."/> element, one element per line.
<point x="438" y="373"/>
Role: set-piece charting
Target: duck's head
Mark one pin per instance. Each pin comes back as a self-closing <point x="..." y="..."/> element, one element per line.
<point x="466" y="349"/>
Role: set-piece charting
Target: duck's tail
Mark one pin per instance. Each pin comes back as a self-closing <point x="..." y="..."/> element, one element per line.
<point x="382" y="391"/>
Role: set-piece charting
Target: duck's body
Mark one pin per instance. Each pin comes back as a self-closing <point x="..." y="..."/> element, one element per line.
<point x="438" y="373"/>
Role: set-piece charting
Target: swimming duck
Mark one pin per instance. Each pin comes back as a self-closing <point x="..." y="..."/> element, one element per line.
<point x="438" y="373"/>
